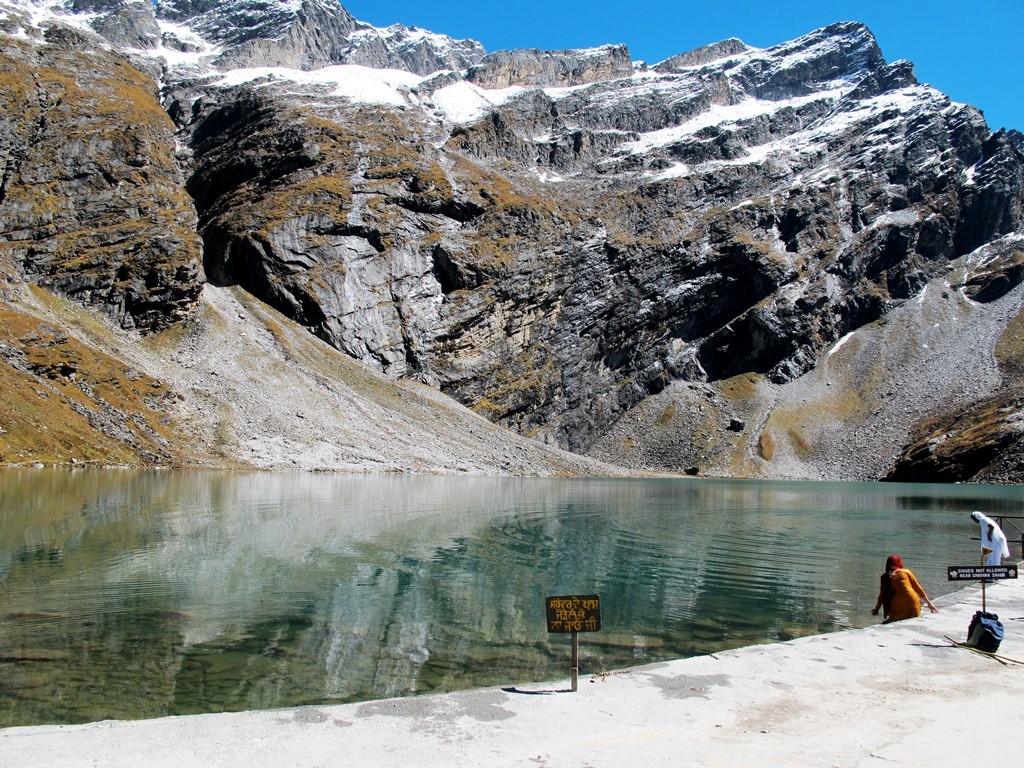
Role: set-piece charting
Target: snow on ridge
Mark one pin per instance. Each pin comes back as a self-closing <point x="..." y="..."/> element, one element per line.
<point x="363" y="85"/>
<point x="461" y="102"/>
<point x="599" y="51"/>
<point x="904" y="99"/>
<point x="988" y="252"/>
<point x="816" y="44"/>
<point x="465" y="102"/>
<point x="675" y="171"/>
<point x="49" y="11"/>
<point x="174" y="57"/>
<point x="969" y="175"/>
<point x="809" y="141"/>
<point x="404" y="35"/>
<point x="784" y="55"/>
<point x="732" y="59"/>
<point x="641" y="83"/>
<point x="721" y="115"/>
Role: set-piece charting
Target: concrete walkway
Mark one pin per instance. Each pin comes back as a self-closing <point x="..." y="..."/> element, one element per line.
<point x="896" y="695"/>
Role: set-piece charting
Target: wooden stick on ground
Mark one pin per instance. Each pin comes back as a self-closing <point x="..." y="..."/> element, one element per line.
<point x="1004" y="660"/>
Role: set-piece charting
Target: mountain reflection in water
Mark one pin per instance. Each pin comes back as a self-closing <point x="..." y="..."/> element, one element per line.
<point x="140" y="594"/>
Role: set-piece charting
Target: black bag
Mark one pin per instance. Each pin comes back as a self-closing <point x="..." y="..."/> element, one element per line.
<point x="985" y="632"/>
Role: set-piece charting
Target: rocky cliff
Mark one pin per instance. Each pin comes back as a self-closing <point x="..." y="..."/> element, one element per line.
<point x="785" y="262"/>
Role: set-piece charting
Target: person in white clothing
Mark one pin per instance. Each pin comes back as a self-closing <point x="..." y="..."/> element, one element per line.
<point x="992" y="538"/>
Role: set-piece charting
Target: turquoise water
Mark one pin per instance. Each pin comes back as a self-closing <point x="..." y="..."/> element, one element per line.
<point x="140" y="594"/>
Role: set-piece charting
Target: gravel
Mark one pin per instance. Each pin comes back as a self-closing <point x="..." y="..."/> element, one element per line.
<point x="259" y="392"/>
<point x="849" y="418"/>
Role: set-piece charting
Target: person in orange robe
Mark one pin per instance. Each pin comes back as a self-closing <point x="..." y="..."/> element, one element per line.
<point x="885" y="589"/>
<point x="907" y="592"/>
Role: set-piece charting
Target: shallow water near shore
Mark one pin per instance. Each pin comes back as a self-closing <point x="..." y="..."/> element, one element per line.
<point x="132" y="594"/>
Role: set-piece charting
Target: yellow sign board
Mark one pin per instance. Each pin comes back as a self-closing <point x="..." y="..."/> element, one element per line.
<point x="574" y="613"/>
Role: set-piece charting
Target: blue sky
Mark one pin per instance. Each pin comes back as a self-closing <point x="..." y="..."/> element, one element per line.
<point x="971" y="51"/>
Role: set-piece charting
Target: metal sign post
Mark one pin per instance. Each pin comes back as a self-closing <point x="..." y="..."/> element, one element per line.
<point x="985" y="552"/>
<point x="574" y="614"/>
<point x="575" y="659"/>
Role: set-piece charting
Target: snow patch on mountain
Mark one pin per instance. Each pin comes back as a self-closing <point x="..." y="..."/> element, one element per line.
<point x="32" y="16"/>
<point x="723" y="115"/>
<point x="459" y="103"/>
<point x="465" y="102"/>
<point x="361" y="85"/>
<point x="399" y="36"/>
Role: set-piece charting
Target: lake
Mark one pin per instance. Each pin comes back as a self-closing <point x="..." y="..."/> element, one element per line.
<point x="137" y="594"/>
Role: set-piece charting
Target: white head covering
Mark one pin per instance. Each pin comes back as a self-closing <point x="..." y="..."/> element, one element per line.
<point x="997" y="540"/>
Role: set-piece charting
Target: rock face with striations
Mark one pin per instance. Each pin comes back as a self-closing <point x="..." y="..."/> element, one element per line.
<point x="551" y="69"/>
<point x="308" y="34"/>
<point x="567" y="242"/>
<point x="92" y="202"/>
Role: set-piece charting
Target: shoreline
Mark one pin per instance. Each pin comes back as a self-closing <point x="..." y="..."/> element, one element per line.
<point x="896" y="694"/>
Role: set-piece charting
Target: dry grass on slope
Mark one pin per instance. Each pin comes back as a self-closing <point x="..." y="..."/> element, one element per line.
<point x="237" y="386"/>
<point x="63" y="401"/>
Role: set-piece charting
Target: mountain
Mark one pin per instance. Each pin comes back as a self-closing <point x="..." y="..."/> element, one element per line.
<point x="786" y="262"/>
